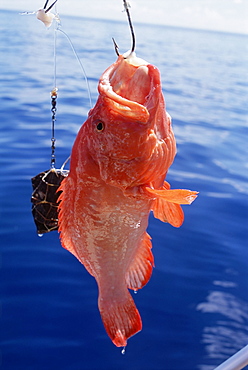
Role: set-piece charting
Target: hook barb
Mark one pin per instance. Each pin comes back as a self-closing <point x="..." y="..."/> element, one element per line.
<point x="116" y="47"/>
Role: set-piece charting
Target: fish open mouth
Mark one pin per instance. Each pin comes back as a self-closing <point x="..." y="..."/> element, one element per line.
<point x="131" y="80"/>
<point x="126" y="84"/>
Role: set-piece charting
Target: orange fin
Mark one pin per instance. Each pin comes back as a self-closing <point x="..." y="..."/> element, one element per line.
<point x="67" y="224"/>
<point x="166" y="206"/>
<point x="120" y="317"/>
<point x="168" y="212"/>
<point x="64" y="217"/>
<point x="140" y="270"/>
<point x="178" y="196"/>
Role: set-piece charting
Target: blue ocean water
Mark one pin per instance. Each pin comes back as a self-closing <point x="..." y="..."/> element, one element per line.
<point x="195" y="307"/>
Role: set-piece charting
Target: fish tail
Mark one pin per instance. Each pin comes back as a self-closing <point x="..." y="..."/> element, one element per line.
<point x="120" y="317"/>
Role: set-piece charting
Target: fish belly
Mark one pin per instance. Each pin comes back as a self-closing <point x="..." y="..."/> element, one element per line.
<point x="106" y="231"/>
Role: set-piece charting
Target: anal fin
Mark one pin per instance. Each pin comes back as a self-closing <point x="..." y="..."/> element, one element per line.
<point x="140" y="270"/>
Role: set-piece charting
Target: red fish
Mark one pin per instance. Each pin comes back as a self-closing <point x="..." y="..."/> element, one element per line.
<point x="118" y="165"/>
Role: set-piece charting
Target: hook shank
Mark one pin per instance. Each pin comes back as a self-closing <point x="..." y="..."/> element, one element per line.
<point x="127" y="6"/>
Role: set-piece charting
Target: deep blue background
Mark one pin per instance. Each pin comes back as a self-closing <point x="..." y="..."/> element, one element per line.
<point x="195" y="307"/>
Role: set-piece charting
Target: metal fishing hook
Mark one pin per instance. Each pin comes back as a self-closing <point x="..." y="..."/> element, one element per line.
<point x="127" y="6"/>
<point x="116" y="47"/>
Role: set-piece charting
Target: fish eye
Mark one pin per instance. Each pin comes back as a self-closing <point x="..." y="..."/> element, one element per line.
<point x="100" y="126"/>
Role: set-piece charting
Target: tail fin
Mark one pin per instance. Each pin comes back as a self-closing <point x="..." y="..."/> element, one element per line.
<point x="120" y="317"/>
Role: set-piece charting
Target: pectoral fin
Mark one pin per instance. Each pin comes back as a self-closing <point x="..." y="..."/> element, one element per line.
<point x="168" y="212"/>
<point x="178" y="196"/>
<point x="167" y="202"/>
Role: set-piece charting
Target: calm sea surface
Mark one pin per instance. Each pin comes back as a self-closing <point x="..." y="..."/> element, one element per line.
<point x="195" y="307"/>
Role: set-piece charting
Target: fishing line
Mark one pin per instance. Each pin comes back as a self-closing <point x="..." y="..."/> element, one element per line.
<point x="55" y="90"/>
<point x="46" y="184"/>
<point x="55" y="53"/>
<point x="79" y="61"/>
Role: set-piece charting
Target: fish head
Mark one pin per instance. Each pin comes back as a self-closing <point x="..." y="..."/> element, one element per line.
<point x="128" y="121"/>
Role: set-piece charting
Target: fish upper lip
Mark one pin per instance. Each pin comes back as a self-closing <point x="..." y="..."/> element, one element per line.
<point x="116" y="158"/>
<point x="124" y="159"/>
